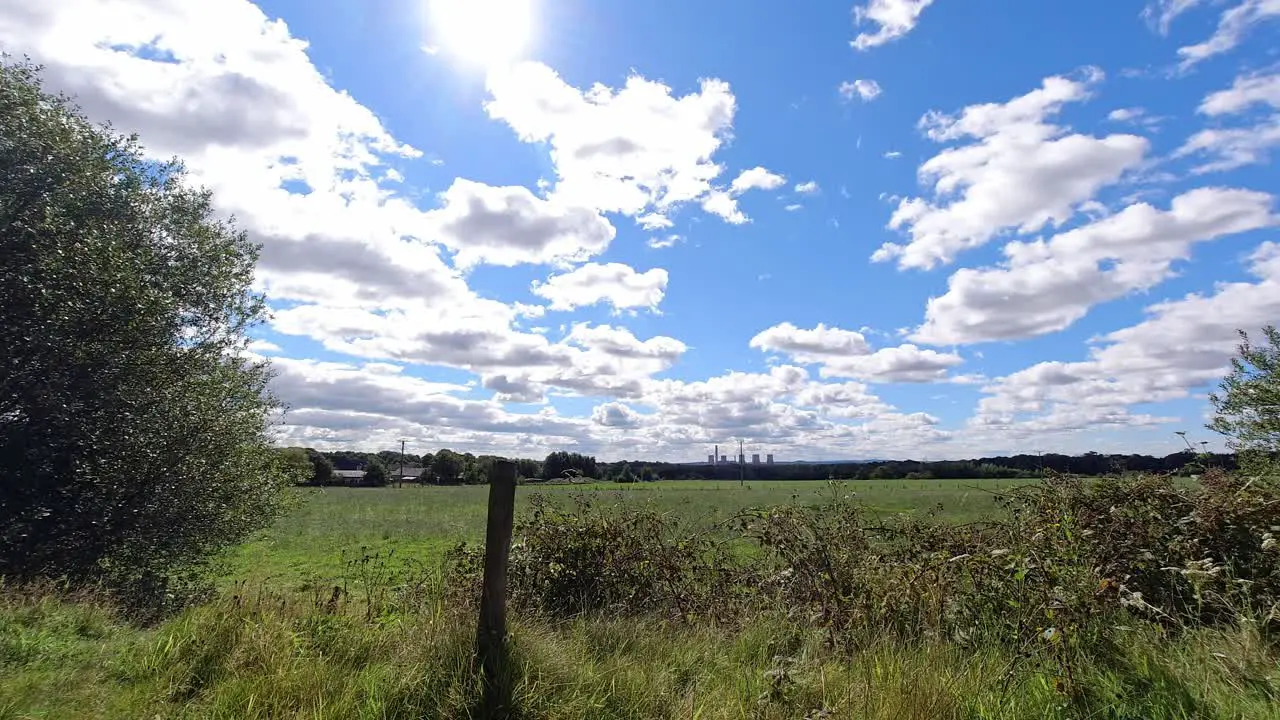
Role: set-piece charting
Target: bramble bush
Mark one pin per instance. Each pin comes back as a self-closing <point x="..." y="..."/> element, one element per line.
<point x="587" y="559"/>
<point x="1074" y="559"/>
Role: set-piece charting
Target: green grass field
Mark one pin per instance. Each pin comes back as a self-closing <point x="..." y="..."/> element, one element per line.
<point x="265" y="649"/>
<point x="422" y="522"/>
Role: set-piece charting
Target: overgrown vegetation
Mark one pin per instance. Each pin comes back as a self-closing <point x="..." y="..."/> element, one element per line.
<point x="830" y="613"/>
<point x="1074" y="560"/>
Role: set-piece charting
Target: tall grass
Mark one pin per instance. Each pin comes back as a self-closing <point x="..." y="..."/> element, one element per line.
<point x="272" y="657"/>
<point x="1090" y="599"/>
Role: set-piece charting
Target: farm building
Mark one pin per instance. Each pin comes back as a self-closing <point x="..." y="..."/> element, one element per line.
<point x="349" y="477"/>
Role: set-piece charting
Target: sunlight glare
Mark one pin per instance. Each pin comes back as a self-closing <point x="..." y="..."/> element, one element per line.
<point x="487" y="33"/>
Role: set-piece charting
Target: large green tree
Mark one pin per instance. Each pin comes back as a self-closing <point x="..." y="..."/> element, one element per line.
<point x="135" y="430"/>
<point x="560" y="462"/>
<point x="1247" y="406"/>
<point x="447" y="466"/>
<point x="321" y="468"/>
<point x="376" y="473"/>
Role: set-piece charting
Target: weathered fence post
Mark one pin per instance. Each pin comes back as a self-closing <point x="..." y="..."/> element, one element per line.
<point x="492" y="630"/>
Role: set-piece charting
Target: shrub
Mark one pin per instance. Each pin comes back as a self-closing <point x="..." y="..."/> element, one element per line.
<point x="618" y="560"/>
<point x="134" y="430"/>
<point x="1075" y="558"/>
<point x="1200" y="553"/>
<point x="1247" y="408"/>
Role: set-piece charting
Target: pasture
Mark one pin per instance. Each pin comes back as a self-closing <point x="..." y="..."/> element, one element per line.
<point x="277" y="644"/>
<point x="419" y="523"/>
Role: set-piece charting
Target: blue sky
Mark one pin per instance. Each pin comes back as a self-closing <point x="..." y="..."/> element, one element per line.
<point x="891" y="228"/>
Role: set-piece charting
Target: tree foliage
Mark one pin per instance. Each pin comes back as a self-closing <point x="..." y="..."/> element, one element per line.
<point x="560" y="462"/>
<point x="321" y="468"/>
<point x="477" y="470"/>
<point x="527" y="468"/>
<point x="1247" y="408"/>
<point x="376" y="473"/>
<point x="447" y="466"/>
<point x="134" y="429"/>
<point x="625" y="475"/>
<point x="297" y="462"/>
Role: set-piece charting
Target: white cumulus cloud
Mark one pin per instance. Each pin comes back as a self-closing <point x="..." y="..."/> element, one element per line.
<point x="617" y="284"/>
<point x="757" y="178"/>
<point x="1181" y="346"/>
<point x="637" y="150"/>
<point x="1227" y="148"/>
<point x="892" y="18"/>
<point x="1018" y="172"/>
<point x="510" y="225"/>
<point x="865" y="90"/>
<point x="846" y="353"/>
<point x="1047" y="285"/>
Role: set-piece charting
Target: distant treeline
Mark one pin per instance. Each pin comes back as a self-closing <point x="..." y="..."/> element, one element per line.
<point x="1186" y="462"/>
<point x="447" y="467"/>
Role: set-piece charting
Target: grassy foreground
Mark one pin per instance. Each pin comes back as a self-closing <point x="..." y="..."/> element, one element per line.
<point x="396" y="643"/>
<point x="270" y="657"/>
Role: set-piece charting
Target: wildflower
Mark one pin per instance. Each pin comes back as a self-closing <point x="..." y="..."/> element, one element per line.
<point x="1130" y="598"/>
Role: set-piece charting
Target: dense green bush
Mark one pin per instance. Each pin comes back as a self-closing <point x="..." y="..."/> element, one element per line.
<point x="134" y="429"/>
<point x="1075" y="559"/>
<point x="571" y="561"/>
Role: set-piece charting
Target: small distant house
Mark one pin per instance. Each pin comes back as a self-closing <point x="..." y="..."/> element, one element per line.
<point x="409" y="474"/>
<point x="349" y="477"/>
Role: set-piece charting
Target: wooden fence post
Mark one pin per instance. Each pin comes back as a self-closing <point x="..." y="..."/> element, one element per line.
<point x="492" y="630"/>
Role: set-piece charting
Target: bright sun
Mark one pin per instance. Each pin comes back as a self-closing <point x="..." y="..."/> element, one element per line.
<point x="488" y="33"/>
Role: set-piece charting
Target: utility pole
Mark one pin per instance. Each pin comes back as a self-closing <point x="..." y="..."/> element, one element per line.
<point x="400" y="480"/>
